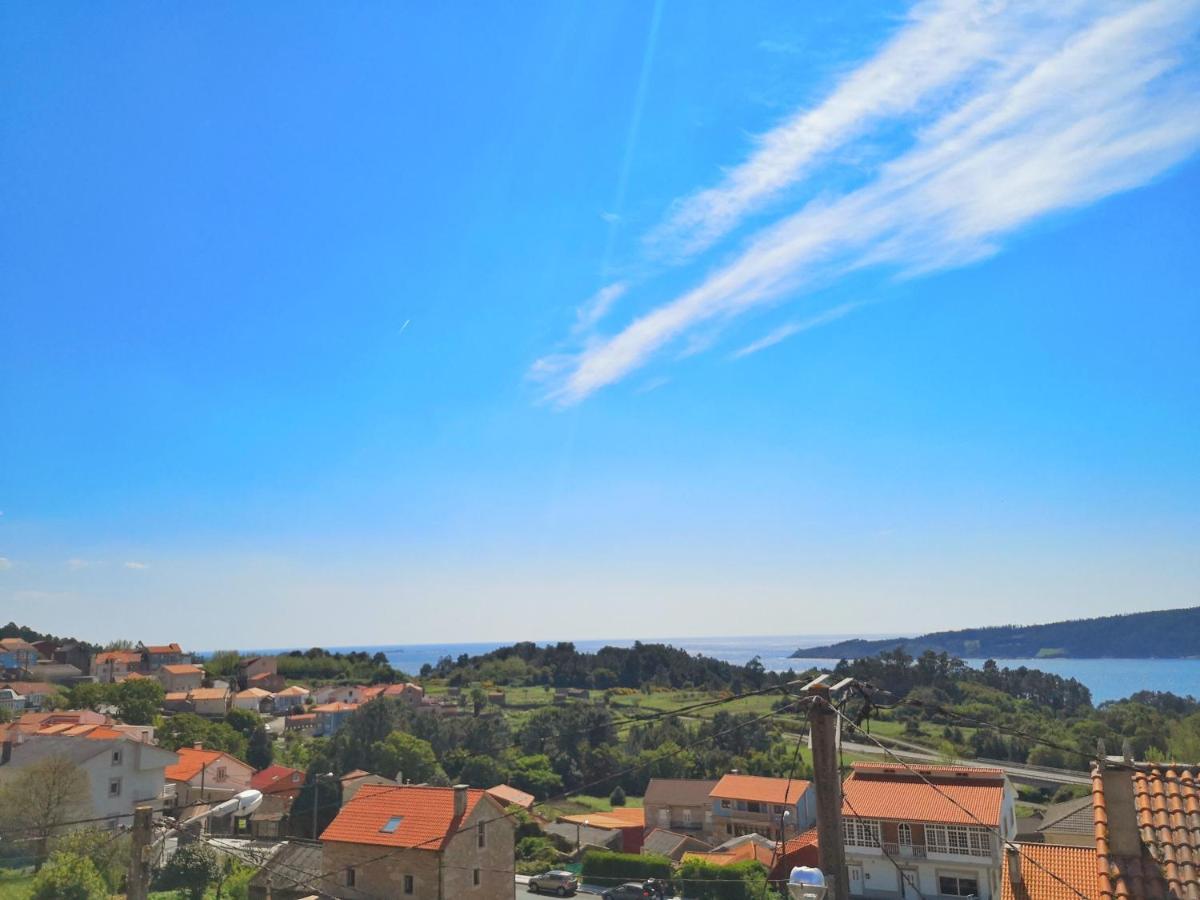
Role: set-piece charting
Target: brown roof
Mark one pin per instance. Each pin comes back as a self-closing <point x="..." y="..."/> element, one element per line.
<point x="759" y="789"/>
<point x="1147" y="820"/>
<point x="1051" y="872"/>
<point x="617" y="817"/>
<point x="510" y="796"/>
<point x="125" y="656"/>
<point x="31" y="687"/>
<point x="679" y="791"/>
<point x="955" y="796"/>
<point x="183" y="669"/>
<point x="164" y="649"/>
<point x="208" y="694"/>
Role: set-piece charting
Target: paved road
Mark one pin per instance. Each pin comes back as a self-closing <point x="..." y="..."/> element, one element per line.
<point x="1033" y="775"/>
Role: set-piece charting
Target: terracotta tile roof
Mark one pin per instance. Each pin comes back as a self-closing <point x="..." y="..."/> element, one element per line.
<point x="163" y="649"/>
<point x="678" y="792"/>
<point x="208" y="694"/>
<point x="1153" y="849"/>
<point x="939" y="769"/>
<point x="426" y="816"/>
<point x="277" y="778"/>
<point x="121" y="656"/>
<point x="301" y="717"/>
<point x="191" y="761"/>
<point x="806" y="839"/>
<point x="256" y="693"/>
<point x="294" y="691"/>
<point x="874" y="792"/>
<point x="175" y="695"/>
<point x="335" y="707"/>
<point x="751" y="850"/>
<point x="17" y="644"/>
<point x="182" y="669"/>
<point x="30" y="687"/>
<point x="618" y="817"/>
<point x="137" y="676"/>
<point x="759" y="789"/>
<point x="1074" y="865"/>
<point x="510" y="796"/>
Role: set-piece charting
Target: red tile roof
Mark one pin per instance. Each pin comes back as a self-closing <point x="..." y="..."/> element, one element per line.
<point x="759" y="789"/>
<point x="125" y="656"/>
<point x="335" y="707"/>
<point x="1045" y="868"/>
<point x="750" y="850"/>
<point x="1153" y="849"/>
<point x="875" y="792"/>
<point x="182" y="669"/>
<point x="427" y="819"/>
<point x="277" y="778"/>
<point x="162" y="649"/>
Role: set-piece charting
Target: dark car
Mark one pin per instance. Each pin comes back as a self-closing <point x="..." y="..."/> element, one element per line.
<point x="556" y="881"/>
<point x="631" y="890"/>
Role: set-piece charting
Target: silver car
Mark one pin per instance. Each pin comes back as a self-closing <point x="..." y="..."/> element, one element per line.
<point x="554" y="882"/>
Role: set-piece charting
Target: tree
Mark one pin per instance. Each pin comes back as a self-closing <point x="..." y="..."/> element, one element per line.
<point x="326" y="793"/>
<point x="402" y="755"/>
<point x="482" y="772"/>
<point x="109" y="854"/>
<point x="68" y="877"/>
<point x="41" y="797"/>
<point x="617" y="797"/>
<point x="191" y="870"/>
<point x="534" y="774"/>
<point x="186" y="729"/>
<point x="243" y="721"/>
<point x="260" y="752"/>
<point x="479" y="699"/>
<point x="90" y="695"/>
<point x="138" y="700"/>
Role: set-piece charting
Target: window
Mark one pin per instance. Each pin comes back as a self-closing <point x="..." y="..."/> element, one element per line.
<point x="958" y="839"/>
<point x="114" y="787"/>
<point x="350" y="877"/>
<point x="116" y="757"/>
<point x="687" y="817"/>
<point x="753" y="806"/>
<point x="958" y="885"/>
<point x="390" y="826"/>
<point x="480" y="838"/>
<point x="475" y="877"/>
<point x="221" y="773"/>
<point x="778" y="809"/>
<point x="408" y="884"/>
<point x="904" y="836"/>
<point x="726" y="804"/>
<point x="664" y="817"/>
<point x="860" y="833"/>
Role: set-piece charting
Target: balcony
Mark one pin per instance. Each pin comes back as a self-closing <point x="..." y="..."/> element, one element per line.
<point x="905" y="851"/>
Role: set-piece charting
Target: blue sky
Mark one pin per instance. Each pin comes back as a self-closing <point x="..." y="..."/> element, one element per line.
<point x="411" y="322"/>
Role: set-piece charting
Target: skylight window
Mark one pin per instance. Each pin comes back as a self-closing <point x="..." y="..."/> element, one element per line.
<point x="390" y="826"/>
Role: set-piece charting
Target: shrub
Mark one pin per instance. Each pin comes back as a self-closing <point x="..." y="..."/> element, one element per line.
<point x="606" y="867"/>
<point x="617" y="797"/>
<point x="68" y="877"/>
<point x="706" y="881"/>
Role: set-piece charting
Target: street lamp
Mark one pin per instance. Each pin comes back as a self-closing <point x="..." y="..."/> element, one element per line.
<point x="806" y="883"/>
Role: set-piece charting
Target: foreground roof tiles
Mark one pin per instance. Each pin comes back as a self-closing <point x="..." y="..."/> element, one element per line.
<point x="1156" y="853"/>
<point x="1051" y="872"/>
<point x="426" y="816"/>
<point x="962" y="796"/>
<point x="759" y="789"/>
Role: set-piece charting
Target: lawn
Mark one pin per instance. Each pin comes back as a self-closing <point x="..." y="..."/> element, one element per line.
<point x="15" y="885"/>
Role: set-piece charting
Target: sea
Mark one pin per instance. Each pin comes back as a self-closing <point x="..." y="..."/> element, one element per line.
<point x="1107" y="679"/>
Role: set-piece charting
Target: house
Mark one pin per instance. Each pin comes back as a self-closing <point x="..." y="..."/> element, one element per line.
<point x="277" y="779"/>
<point x="584" y="836"/>
<point x="112" y="666"/>
<point x="753" y="804"/>
<point x="510" y="796"/>
<point x="302" y="723"/>
<point x="744" y="848"/>
<point x="207" y="776"/>
<point x="410" y="693"/>
<point x="943" y="825"/>
<point x="290" y="698"/>
<point x="122" y="774"/>
<point x="213" y="701"/>
<point x="629" y="822"/>
<point x="74" y="654"/>
<point x="290" y="873"/>
<point x="353" y="781"/>
<point x="428" y="843"/>
<point x="1066" y="824"/>
<point x="155" y="656"/>
<point x="267" y="681"/>
<point x="16" y="653"/>
<point x="11" y="701"/>
<point x="1042" y="871"/>
<point x="180" y="677"/>
<point x="331" y="716"/>
<point x="259" y="665"/>
<point x="1147" y="830"/>
<point x="672" y="845"/>
<point x="36" y="693"/>
<point x="801" y="850"/>
<point x="339" y="693"/>
<point x="680" y="805"/>
<point x="253" y="699"/>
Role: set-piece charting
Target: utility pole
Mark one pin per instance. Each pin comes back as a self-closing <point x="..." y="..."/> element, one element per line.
<point x="138" y="886"/>
<point x="827" y="779"/>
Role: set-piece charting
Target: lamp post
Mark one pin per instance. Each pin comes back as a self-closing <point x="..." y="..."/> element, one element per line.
<point x="807" y="883"/>
<point x="317" y="797"/>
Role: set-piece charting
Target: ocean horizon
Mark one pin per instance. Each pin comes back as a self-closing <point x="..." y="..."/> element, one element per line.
<point x="1107" y="679"/>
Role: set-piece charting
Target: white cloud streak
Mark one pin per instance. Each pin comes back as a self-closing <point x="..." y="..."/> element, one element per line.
<point x="596" y="307"/>
<point x="788" y="329"/>
<point x="137" y="565"/>
<point x="1058" y="125"/>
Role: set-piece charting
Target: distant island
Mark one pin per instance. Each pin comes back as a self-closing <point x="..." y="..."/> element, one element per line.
<point x="1166" y="634"/>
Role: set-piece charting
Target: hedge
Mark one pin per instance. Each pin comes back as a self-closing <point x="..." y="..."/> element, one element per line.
<point x="606" y="867"/>
<point x="702" y="880"/>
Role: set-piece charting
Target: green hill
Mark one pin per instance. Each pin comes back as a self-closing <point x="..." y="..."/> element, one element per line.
<point x="1166" y="634"/>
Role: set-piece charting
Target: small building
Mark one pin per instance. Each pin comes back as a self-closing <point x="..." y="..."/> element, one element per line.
<point x="36" y="693"/>
<point x="672" y="845"/>
<point x="430" y="843"/>
<point x="11" y="701"/>
<point x="112" y="666"/>
<point x="278" y="779"/>
<point x="207" y="776"/>
<point x="680" y="805"/>
<point x="331" y="716"/>
<point x="301" y="723"/>
<point x="254" y="700"/>
<point x="1066" y="824"/>
<point x="267" y="681"/>
<point x="180" y="677"/>
<point x="352" y="782"/>
<point x="213" y="701"/>
<point x="290" y="698"/>
<point x="744" y="848"/>
<point x="753" y="804"/>
<point x="155" y="656"/>
<point x="629" y="821"/>
<point x="18" y="654"/>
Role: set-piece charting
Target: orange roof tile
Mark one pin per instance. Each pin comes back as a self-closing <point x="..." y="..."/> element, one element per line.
<point x="750" y="850"/>
<point x="510" y="796"/>
<point x="125" y="656"/>
<point x="335" y="707"/>
<point x="1164" y="825"/>
<point x="1042" y="863"/>
<point x="294" y="691"/>
<point x="618" y="817"/>
<point x="256" y="693"/>
<point x="208" y="694"/>
<point x="164" y="648"/>
<point x="426" y="816"/>
<point x="872" y="792"/>
<point x="191" y="761"/>
<point x="759" y="789"/>
<point x="182" y="669"/>
<point x="175" y="695"/>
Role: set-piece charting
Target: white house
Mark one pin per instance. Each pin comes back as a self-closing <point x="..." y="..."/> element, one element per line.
<point x="941" y="826"/>
<point x="251" y="699"/>
<point x="207" y="775"/>
<point x="122" y="774"/>
<point x="291" y="697"/>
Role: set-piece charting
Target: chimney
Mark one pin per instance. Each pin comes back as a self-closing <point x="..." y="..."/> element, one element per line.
<point x="1013" y="855"/>
<point x="198" y="745"/>
<point x="460" y="800"/>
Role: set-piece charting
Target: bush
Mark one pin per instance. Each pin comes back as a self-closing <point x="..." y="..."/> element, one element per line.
<point x="617" y="797"/>
<point x="606" y="867"/>
<point x="191" y="870"/>
<point x="68" y="877"/>
<point x="706" y="881"/>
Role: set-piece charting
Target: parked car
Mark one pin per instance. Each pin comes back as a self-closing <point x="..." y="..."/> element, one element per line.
<point x="554" y="882"/>
<point x="630" y="890"/>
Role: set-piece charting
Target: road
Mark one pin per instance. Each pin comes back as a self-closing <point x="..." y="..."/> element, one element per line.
<point x="1036" y="776"/>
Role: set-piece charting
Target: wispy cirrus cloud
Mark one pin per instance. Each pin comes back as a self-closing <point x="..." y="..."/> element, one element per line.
<point x="1035" y="114"/>
<point x="788" y="329"/>
<point x="136" y="565"/>
<point x="596" y="307"/>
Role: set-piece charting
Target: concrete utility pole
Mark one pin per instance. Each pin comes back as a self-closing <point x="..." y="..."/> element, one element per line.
<point x="138" y="886"/>
<point x="827" y="779"/>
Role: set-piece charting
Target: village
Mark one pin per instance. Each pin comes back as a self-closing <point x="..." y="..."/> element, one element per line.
<point x="908" y="829"/>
